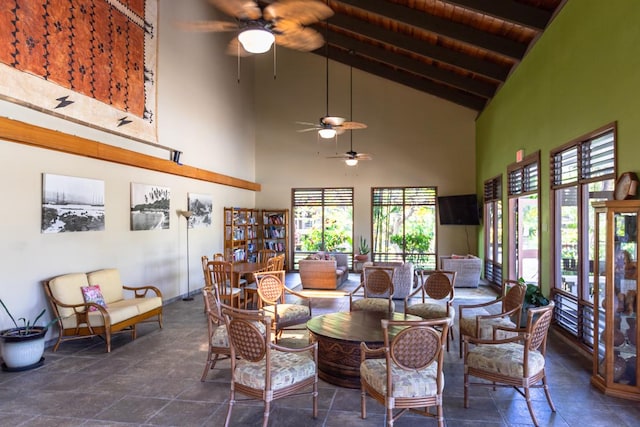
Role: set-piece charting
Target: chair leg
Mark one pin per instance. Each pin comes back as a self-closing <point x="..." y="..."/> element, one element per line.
<point x="389" y="417"/>
<point x="363" y="403"/>
<point x="527" y="396"/>
<point x="211" y="363"/>
<point x="315" y="398"/>
<point x="267" y="408"/>
<point x="547" y="393"/>
<point x="466" y="389"/>
<point x="231" y="402"/>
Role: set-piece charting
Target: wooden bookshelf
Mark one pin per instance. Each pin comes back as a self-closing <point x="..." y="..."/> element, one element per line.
<point x="240" y="234"/>
<point x="274" y="230"/>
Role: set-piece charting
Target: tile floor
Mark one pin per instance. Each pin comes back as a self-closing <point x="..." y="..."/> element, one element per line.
<point x="155" y="380"/>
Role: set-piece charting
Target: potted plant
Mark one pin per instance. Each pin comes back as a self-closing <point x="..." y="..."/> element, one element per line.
<point x="533" y="297"/>
<point x="23" y="346"/>
<point x="363" y="250"/>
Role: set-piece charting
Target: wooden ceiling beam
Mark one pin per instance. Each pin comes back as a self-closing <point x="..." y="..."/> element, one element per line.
<point x="475" y="86"/>
<point x="442" y="27"/>
<point x="509" y="10"/>
<point x="407" y="79"/>
<point x="437" y="53"/>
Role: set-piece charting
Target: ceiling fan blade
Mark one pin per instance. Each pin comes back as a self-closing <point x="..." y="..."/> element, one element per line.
<point x="339" y="130"/>
<point x="304" y="12"/>
<point x="241" y="9"/>
<point x="207" y="26"/>
<point x="301" y="38"/>
<point x="235" y="48"/>
<point x="306" y="130"/>
<point x="353" y="125"/>
<point x="363" y="156"/>
<point x="342" y="157"/>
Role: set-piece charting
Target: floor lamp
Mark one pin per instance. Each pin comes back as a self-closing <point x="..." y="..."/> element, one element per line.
<point x="187" y="215"/>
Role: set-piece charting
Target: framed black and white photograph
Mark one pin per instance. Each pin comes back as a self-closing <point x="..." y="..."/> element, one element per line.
<point x="201" y="206"/>
<point x="149" y="207"/>
<point x="71" y="204"/>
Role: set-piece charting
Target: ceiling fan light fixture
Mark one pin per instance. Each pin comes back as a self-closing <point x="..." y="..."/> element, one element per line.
<point x="327" y="133"/>
<point x="351" y="162"/>
<point x="256" y="40"/>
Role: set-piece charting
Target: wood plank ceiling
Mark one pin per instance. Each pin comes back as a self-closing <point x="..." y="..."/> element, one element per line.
<point x="458" y="50"/>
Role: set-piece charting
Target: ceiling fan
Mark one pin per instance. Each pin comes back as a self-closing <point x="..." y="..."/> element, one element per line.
<point x="284" y="22"/>
<point x="331" y="126"/>
<point x="351" y="157"/>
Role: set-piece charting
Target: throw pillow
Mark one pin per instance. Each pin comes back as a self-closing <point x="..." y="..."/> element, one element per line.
<point x="93" y="294"/>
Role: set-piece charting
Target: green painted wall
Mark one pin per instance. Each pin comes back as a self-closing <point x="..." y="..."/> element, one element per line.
<point x="582" y="74"/>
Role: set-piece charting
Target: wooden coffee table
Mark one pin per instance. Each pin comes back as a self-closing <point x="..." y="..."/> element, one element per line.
<point x="339" y="336"/>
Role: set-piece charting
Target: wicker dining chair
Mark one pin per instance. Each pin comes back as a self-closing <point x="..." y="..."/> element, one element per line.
<point x="216" y="330"/>
<point x="262" y="257"/>
<point x="406" y="373"/>
<point x="375" y="292"/>
<point x="251" y="289"/>
<point x="516" y="362"/>
<point x="437" y="295"/>
<point x="273" y="296"/>
<point x="264" y="370"/>
<point x="219" y="274"/>
<point x="477" y="320"/>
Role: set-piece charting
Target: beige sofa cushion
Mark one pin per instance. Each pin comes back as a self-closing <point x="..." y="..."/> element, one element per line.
<point x="67" y="288"/>
<point x="110" y="284"/>
<point x="118" y="311"/>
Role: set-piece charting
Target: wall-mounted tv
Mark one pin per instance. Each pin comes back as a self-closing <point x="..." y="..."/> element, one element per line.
<point x="459" y="210"/>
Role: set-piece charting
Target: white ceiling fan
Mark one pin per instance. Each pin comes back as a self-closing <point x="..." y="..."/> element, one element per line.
<point x="285" y="22"/>
<point x="351" y="157"/>
<point x="330" y="126"/>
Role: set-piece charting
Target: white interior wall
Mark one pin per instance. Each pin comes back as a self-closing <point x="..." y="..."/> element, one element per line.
<point x="416" y="139"/>
<point x="201" y="111"/>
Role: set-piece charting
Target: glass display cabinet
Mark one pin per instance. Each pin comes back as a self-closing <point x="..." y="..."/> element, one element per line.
<point x="615" y="354"/>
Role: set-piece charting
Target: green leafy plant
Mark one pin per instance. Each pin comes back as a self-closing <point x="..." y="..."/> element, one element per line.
<point x="28" y="325"/>
<point x="533" y="295"/>
<point x="364" y="247"/>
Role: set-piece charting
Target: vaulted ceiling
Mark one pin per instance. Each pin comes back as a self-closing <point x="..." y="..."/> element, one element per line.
<point x="458" y="50"/>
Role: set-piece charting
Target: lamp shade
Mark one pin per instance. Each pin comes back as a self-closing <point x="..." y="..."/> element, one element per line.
<point x="256" y="40"/>
<point x="351" y="162"/>
<point x="327" y="133"/>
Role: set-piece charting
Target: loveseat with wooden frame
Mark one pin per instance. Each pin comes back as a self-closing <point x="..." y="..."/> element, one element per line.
<point x="77" y="318"/>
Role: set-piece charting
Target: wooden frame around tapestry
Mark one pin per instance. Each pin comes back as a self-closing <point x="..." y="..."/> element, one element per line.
<point x="88" y="61"/>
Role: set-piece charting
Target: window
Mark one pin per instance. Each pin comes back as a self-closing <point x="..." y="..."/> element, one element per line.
<point x="493" y="230"/>
<point x="322" y="221"/>
<point x="524" y="219"/>
<point x="404" y="225"/>
<point x="582" y="171"/>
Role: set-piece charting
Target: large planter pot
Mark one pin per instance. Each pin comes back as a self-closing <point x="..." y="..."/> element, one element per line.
<point x="362" y="257"/>
<point x="21" y="352"/>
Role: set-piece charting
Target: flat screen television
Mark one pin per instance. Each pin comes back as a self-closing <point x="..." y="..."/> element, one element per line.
<point x="459" y="210"/>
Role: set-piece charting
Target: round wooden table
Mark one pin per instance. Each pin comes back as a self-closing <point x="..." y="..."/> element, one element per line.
<point x="339" y="336"/>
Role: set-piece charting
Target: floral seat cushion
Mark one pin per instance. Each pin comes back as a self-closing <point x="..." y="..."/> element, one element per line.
<point x="286" y="369"/>
<point x="468" y="325"/>
<point x="372" y="304"/>
<point x="504" y="359"/>
<point x="431" y="311"/>
<point x="405" y="383"/>
<point x="288" y="313"/>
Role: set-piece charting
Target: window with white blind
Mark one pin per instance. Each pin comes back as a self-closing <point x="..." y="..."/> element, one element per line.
<point x="524" y="218"/>
<point x="582" y="171"/>
<point x="322" y="221"/>
<point x="493" y="230"/>
<point x="404" y="225"/>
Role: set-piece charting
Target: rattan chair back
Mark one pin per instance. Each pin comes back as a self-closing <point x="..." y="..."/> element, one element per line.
<point x="439" y="284"/>
<point x="247" y="340"/>
<point x="219" y="274"/>
<point x="514" y="293"/>
<point x="415" y="347"/>
<point x="264" y="255"/>
<point x="378" y="281"/>
<point x="271" y="286"/>
<point x="538" y="322"/>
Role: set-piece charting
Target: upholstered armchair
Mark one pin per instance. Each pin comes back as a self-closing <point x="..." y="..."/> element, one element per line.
<point x="375" y="291"/>
<point x="406" y="373"/>
<point x="517" y="362"/>
<point x="263" y="370"/>
<point x="478" y="320"/>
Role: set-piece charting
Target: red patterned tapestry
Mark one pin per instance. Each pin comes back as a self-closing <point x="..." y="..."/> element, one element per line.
<point x="90" y="61"/>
